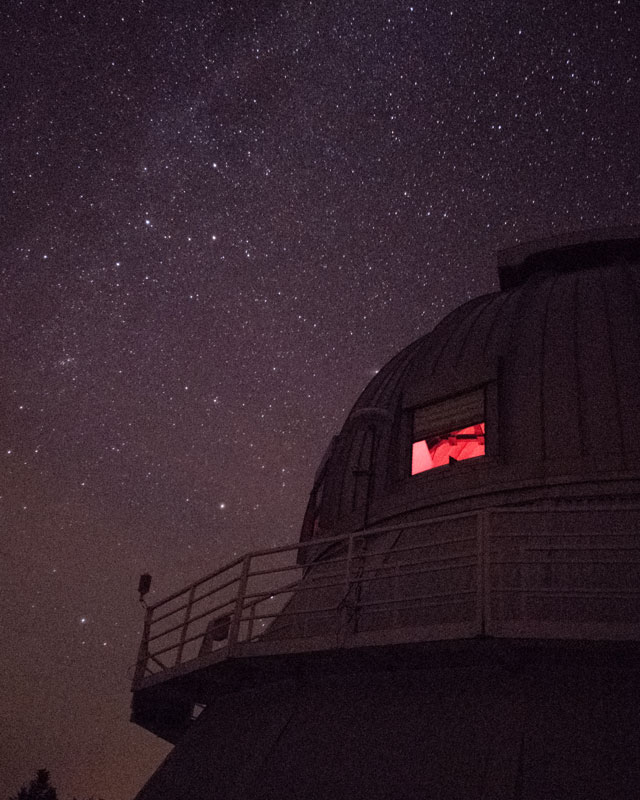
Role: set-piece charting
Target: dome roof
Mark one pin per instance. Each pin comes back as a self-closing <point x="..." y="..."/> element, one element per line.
<point x="556" y="357"/>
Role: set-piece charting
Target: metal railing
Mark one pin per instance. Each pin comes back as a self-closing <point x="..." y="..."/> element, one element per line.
<point x="495" y="572"/>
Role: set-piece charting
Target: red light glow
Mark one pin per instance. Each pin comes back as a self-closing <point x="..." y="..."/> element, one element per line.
<point x="439" y="451"/>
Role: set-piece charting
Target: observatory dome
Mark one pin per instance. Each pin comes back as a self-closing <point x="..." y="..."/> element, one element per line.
<point x="461" y="616"/>
<point x="527" y="394"/>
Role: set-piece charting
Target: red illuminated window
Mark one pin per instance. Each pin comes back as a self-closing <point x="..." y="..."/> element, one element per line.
<point x="447" y="448"/>
<point x="448" y="431"/>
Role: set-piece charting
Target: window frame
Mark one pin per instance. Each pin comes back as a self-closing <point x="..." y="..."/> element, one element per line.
<point x="453" y="420"/>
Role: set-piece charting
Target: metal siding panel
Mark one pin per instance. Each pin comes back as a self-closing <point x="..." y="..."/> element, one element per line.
<point x="455" y="330"/>
<point x="560" y="392"/>
<point x="623" y="303"/>
<point x="521" y="396"/>
<point x="600" y="422"/>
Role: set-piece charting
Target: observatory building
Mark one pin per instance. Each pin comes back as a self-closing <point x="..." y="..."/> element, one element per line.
<point x="460" y="619"/>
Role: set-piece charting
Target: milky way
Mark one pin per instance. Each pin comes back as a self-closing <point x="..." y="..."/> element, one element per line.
<point x="218" y="220"/>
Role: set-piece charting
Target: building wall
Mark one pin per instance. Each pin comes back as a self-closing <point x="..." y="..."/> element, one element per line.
<point x="490" y="723"/>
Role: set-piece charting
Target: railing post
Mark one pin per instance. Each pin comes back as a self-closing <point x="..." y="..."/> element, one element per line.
<point x="185" y="626"/>
<point x="143" y="650"/>
<point x="484" y="569"/>
<point x="395" y="614"/>
<point x="234" y="628"/>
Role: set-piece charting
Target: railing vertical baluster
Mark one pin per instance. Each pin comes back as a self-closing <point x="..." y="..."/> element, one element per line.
<point x="347" y="576"/>
<point x="185" y="625"/>
<point x="143" y="651"/>
<point x="252" y="619"/>
<point x="234" y="628"/>
<point x="344" y="604"/>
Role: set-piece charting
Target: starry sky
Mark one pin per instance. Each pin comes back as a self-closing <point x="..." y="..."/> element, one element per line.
<point x="218" y="220"/>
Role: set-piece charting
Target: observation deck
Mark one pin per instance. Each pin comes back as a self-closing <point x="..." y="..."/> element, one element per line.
<point x="552" y="572"/>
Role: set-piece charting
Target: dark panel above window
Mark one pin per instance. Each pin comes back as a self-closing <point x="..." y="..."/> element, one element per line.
<point x="448" y="415"/>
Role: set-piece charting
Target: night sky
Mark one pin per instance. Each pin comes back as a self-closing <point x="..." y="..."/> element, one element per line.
<point x="219" y="219"/>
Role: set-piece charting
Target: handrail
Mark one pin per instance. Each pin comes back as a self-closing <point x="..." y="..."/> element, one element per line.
<point x="223" y="610"/>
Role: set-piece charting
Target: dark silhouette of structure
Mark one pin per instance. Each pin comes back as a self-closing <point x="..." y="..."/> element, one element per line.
<point x="461" y="616"/>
